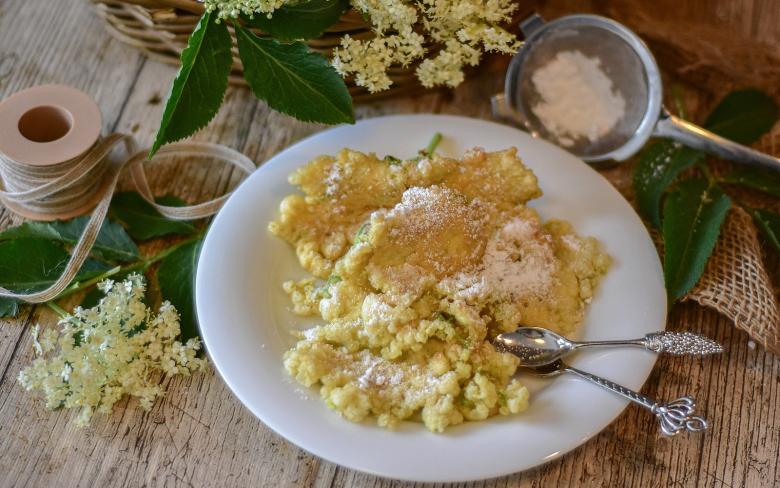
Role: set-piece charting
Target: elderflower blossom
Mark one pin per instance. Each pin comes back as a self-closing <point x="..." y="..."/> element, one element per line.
<point x="109" y="351"/>
<point x="454" y="32"/>
<point x="230" y="9"/>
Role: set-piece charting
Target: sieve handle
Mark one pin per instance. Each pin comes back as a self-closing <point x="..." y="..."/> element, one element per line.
<point x="692" y="135"/>
<point x="503" y="111"/>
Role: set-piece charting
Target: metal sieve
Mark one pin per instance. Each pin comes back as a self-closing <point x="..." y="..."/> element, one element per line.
<point x="631" y="67"/>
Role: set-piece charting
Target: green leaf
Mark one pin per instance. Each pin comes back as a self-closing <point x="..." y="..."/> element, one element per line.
<point x="143" y="221"/>
<point x="693" y="214"/>
<point x="112" y="242"/>
<point x="294" y="80"/>
<point x="30" y="264"/>
<point x="170" y="201"/>
<point x="176" y="277"/>
<point x="743" y="116"/>
<point x="659" y="165"/>
<point x="769" y="224"/>
<point x="766" y="181"/>
<point x="305" y="20"/>
<point x="8" y="307"/>
<point x="200" y="84"/>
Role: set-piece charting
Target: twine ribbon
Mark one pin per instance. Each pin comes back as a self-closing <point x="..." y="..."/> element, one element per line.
<point x="66" y="186"/>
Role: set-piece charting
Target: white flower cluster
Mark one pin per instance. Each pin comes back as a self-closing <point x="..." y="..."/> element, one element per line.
<point x="455" y="32"/>
<point x="108" y="351"/>
<point x="227" y="9"/>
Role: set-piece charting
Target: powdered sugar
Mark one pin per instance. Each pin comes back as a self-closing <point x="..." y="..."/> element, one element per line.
<point x="578" y="100"/>
<point x="424" y="167"/>
<point x="375" y="310"/>
<point x="406" y="279"/>
<point x="333" y="181"/>
<point x="310" y="333"/>
<point x="438" y="231"/>
<point x="519" y="262"/>
<point x="572" y="242"/>
<point x="374" y="372"/>
<point x="424" y="211"/>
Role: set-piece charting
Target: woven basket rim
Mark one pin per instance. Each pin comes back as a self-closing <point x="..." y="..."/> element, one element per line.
<point x="187" y="5"/>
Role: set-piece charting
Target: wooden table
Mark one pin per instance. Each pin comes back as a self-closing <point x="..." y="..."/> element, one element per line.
<point x="200" y="435"/>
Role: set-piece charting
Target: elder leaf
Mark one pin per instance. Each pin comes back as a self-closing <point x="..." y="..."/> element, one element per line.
<point x="292" y="79"/>
<point x="143" y="221"/>
<point x="112" y="242"/>
<point x="176" y="278"/>
<point x="8" y="307"/>
<point x="693" y="214"/>
<point x="768" y="223"/>
<point x="305" y="20"/>
<point x="170" y="201"/>
<point x="31" y="264"/>
<point x="659" y="166"/>
<point x="743" y="116"/>
<point x="766" y="181"/>
<point x="199" y="87"/>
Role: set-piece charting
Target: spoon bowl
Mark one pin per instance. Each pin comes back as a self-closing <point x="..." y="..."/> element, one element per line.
<point x="534" y="346"/>
<point x="548" y="370"/>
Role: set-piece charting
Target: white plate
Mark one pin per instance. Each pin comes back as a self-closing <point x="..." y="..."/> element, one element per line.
<point x="244" y="315"/>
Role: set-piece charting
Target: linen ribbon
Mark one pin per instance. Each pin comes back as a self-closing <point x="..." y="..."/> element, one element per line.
<point x="68" y="185"/>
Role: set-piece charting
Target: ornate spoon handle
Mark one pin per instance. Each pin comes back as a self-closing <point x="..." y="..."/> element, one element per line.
<point x="676" y="343"/>
<point x="674" y="416"/>
<point x="680" y="343"/>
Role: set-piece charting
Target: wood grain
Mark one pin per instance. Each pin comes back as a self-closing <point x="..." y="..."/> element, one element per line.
<point x="200" y="435"/>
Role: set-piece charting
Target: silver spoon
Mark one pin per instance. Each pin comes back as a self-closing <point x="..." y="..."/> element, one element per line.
<point x="536" y="346"/>
<point x="674" y="416"/>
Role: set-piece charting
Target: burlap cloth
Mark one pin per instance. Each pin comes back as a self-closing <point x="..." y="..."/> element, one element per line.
<point x="736" y="281"/>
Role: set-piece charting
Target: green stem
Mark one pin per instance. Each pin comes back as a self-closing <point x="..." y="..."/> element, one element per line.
<point x="167" y="252"/>
<point x="81" y="285"/>
<point x="142" y="264"/>
<point x="435" y="140"/>
<point x="57" y="309"/>
<point x="707" y="173"/>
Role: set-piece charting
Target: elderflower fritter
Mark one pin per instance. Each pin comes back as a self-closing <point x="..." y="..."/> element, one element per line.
<point x="416" y="266"/>
<point x="108" y="351"/>
<point x="457" y="32"/>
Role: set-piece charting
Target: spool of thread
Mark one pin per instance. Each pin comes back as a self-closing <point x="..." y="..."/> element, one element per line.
<point x="44" y="132"/>
<point x="54" y="164"/>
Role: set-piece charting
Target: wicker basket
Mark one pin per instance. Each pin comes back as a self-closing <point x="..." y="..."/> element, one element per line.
<point x="161" y="28"/>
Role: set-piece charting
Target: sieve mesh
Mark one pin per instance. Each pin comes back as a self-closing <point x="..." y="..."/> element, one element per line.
<point x="619" y="62"/>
